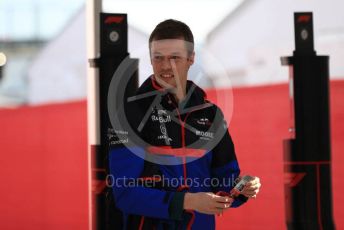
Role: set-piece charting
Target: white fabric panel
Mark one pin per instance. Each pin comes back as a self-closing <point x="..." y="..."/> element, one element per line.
<point x="58" y="73"/>
<point x="250" y="42"/>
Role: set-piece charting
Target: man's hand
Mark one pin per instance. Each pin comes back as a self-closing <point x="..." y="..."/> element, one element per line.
<point x="251" y="189"/>
<point x="207" y="202"/>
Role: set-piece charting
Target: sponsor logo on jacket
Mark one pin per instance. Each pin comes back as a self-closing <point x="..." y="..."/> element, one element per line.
<point x="203" y="121"/>
<point x="164" y="134"/>
<point x="205" y="135"/>
<point x="161" y="116"/>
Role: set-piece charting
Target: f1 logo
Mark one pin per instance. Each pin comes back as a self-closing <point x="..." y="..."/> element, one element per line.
<point x="304" y="18"/>
<point x="293" y="179"/>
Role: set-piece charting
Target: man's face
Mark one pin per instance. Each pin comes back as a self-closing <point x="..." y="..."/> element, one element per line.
<point x="171" y="62"/>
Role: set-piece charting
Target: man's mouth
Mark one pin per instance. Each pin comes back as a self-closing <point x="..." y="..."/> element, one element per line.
<point x="166" y="75"/>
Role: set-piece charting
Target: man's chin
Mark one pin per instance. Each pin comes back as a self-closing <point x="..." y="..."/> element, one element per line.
<point x="166" y="83"/>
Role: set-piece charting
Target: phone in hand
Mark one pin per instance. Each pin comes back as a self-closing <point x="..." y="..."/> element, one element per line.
<point x="236" y="191"/>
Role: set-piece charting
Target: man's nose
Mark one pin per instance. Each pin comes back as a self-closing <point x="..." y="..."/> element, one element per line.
<point x="166" y="64"/>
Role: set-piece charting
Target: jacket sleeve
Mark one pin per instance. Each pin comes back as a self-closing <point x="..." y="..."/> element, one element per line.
<point x="130" y="193"/>
<point x="225" y="168"/>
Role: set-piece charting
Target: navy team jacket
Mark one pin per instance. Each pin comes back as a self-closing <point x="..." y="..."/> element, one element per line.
<point x="186" y="148"/>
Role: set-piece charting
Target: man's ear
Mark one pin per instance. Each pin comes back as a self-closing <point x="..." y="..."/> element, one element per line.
<point x="191" y="58"/>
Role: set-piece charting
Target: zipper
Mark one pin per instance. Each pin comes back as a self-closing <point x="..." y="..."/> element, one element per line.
<point x="189" y="225"/>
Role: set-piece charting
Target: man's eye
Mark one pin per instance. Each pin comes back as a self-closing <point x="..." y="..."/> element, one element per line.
<point x="157" y="58"/>
<point x="175" y="57"/>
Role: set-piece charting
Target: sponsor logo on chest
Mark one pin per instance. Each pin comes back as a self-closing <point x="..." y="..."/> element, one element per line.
<point x="204" y="135"/>
<point x="203" y="121"/>
<point x="164" y="135"/>
<point x="161" y="116"/>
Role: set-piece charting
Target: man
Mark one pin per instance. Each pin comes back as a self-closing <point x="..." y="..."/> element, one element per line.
<point x="186" y="141"/>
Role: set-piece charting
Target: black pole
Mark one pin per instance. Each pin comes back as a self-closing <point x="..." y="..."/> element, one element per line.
<point x="1" y="72"/>
<point x="307" y="155"/>
<point x="113" y="50"/>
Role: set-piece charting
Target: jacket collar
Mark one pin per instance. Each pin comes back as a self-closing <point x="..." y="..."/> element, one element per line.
<point x="194" y="94"/>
